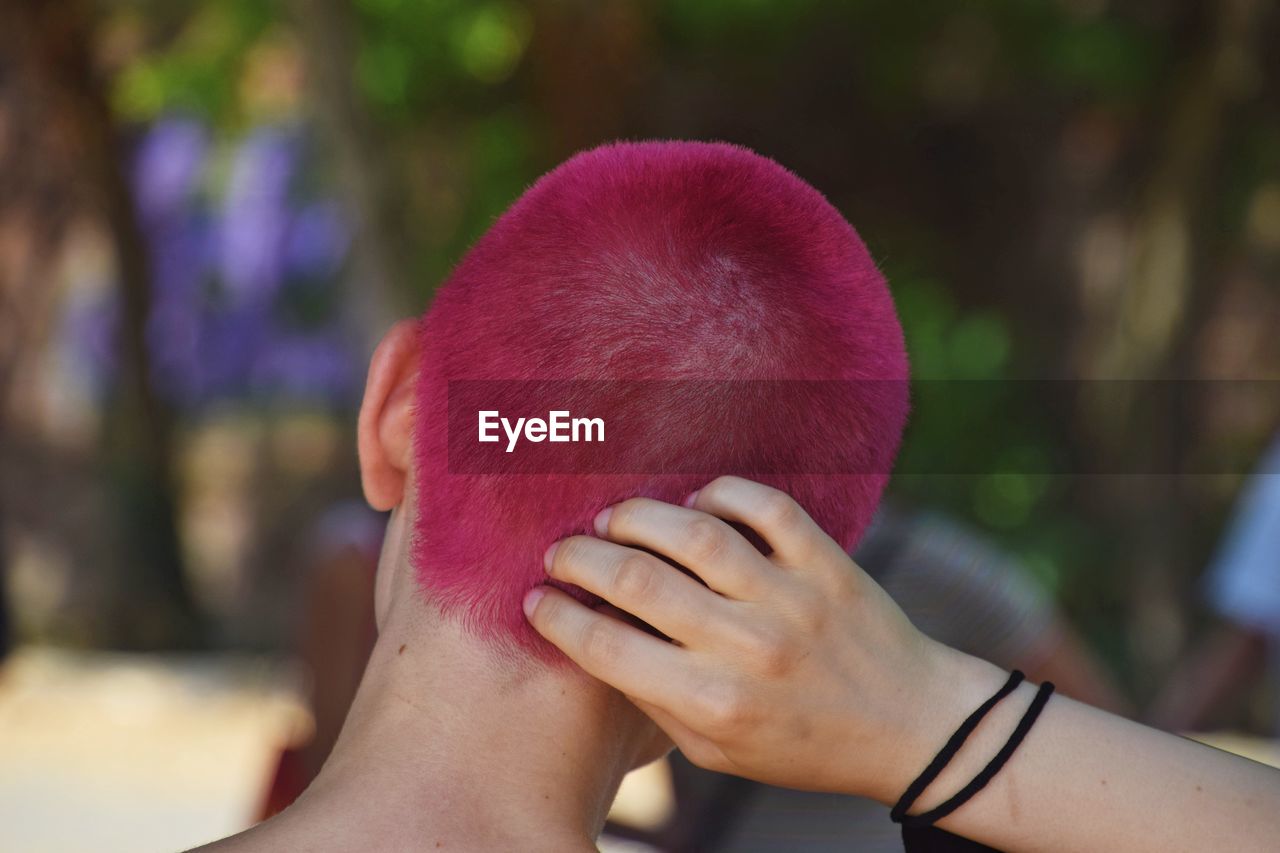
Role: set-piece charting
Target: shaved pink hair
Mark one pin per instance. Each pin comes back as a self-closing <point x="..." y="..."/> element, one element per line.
<point x="652" y="260"/>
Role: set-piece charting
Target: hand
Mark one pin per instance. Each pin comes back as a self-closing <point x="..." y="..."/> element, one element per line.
<point x="793" y="669"/>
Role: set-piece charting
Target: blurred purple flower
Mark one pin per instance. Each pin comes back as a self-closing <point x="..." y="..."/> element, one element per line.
<point x="179" y="251"/>
<point x="220" y="325"/>
<point x="255" y="214"/>
<point x="317" y="240"/>
<point x="230" y="343"/>
<point x="312" y="367"/>
<point x="173" y="339"/>
<point x="168" y="166"/>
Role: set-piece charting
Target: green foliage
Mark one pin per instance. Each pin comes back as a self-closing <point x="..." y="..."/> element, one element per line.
<point x="489" y="42"/>
<point x="383" y="70"/>
<point x="423" y="61"/>
<point x="198" y="69"/>
<point x="1101" y="57"/>
<point x="729" y="20"/>
<point x="971" y="447"/>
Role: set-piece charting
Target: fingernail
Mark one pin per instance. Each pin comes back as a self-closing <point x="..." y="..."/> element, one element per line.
<point x="531" y="599"/>
<point x="601" y="523"/>
<point x="692" y="498"/>
<point x="549" y="557"/>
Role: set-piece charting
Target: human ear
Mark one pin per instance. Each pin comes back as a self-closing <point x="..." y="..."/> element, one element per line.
<point x="385" y="430"/>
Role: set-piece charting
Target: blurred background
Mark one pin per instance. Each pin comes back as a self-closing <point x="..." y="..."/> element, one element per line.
<point x="210" y="211"/>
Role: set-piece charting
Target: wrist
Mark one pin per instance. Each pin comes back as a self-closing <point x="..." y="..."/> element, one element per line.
<point x="952" y="686"/>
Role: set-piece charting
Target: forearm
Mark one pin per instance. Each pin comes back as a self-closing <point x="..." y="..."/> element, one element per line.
<point x="1087" y="780"/>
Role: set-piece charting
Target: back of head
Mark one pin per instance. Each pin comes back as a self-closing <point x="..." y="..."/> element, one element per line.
<point x="655" y="261"/>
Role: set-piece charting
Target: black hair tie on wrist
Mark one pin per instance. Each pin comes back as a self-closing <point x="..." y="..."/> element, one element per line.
<point x="993" y="767"/>
<point x="925" y="779"/>
<point x="919" y="835"/>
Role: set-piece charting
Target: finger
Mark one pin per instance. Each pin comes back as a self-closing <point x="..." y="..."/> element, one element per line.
<point x="624" y="657"/>
<point x="665" y="720"/>
<point x="695" y="747"/>
<point x="796" y="539"/>
<point x="704" y="545"/>
<point x="640" y="584"/>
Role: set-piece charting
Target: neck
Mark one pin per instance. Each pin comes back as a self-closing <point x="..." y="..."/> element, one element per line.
<point x="447" y="747"/>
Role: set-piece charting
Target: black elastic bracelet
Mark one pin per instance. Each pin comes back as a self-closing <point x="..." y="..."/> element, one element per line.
<point x="916" y="788"/>
<point x="993" y="767"/>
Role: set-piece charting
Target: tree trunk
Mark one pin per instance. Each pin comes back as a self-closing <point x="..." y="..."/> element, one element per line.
<point x="151" y="606"/>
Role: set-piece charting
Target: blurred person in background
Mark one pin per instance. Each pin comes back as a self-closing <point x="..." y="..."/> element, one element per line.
<point x="1243" y="588"/>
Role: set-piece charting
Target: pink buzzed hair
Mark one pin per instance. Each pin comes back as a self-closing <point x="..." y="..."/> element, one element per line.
<point x="639" y="261"/>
